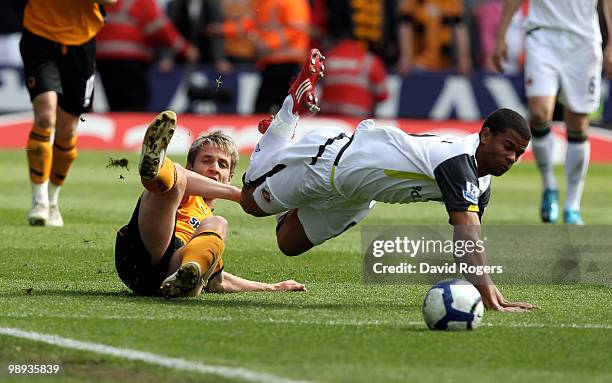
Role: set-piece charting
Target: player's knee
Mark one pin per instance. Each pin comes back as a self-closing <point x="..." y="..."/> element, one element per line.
<point x="538" y="116"/>
<point x="215" y="223"/>
<point x="288" y="248"/>
<point x="248" y="203"/>
<point x="45" y="119"/>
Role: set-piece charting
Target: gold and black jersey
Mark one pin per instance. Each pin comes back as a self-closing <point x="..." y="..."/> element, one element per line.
<point x="68" y="22"/>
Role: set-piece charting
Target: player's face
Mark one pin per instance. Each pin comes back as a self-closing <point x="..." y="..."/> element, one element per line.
<point x="213" y="163"/>
<point x="503" y="150"/>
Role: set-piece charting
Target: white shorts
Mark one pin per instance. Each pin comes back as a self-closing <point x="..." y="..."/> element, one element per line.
<point x="305" y="184"/>
<point x="564" y="63"/>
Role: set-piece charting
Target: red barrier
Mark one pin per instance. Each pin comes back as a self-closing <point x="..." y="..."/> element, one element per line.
<point x="124" y="131"/>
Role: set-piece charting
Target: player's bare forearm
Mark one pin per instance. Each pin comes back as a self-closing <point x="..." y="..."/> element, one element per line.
<point x="229" y="283"/>
<point x="463" y="49"/>
<point x="500" y="53"/>
<point x="607" y="11"/>
<point x="466" y="227"/>
<point x="509" y="8"/>
<point x="206" y="187"/>
<point x="607" y="59"/>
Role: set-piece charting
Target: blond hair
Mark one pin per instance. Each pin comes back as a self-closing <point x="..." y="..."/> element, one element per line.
<point x="216" y="139"/>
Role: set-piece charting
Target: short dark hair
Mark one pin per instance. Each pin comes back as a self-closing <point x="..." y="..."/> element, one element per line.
<point x="503" y="119"/>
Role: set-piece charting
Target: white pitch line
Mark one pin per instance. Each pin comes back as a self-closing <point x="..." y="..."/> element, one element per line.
<point x="331" y="322"/>
<point x="147" y="357"/>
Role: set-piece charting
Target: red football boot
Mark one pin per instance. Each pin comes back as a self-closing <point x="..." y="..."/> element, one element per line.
<point x="302" y="88"/>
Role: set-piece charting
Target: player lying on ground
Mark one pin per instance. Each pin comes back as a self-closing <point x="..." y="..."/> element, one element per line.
<point x="328" y="181"/>
<point x="173" y="243"/>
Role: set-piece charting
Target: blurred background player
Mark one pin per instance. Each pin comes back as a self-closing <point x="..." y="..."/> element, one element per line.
<point x="564" y="55"/>
<point x="328" y="181"/>
<point x="192" y="18"/>
<point x="173" y="237"/>
<point x="435" y="37"/>
<point x="354" y="80"/>
<point x="279" y="31"/>
<point x="126" y="49"/>
<point x="58" y="51"/>
<point x="486" y="19"/>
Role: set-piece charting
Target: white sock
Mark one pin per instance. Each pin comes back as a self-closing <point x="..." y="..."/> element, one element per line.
<point x="277" y="137"/>
<point x="543" y="150"/>
<point x="40" y="194"/>
<point x="54" y="194"/>
<point x="286" y="113"/>
<point x="576" y="165"/>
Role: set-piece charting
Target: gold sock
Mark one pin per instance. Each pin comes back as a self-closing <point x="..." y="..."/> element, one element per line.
<point x="164" y="181"/>
<point x="64" y="153"/>
<point x="39" y="154"/>
<point x="205" y="249"/>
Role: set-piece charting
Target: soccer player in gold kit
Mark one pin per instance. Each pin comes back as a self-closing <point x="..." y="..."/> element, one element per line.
<point x="173" y="244"/>
<point x="58" y="49"/>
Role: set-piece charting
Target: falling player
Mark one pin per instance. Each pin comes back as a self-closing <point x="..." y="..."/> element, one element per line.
<point x="328" y="181"/>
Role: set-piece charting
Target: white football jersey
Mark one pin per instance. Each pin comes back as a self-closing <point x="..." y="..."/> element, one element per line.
<point x="388" y="165"/>
<point x="577" y="16"/>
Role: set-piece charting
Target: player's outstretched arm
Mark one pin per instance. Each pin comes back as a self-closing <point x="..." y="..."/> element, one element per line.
<point x="228" y="283"/>
<point x="466" y="227"/>
<point x="198" y="184"/>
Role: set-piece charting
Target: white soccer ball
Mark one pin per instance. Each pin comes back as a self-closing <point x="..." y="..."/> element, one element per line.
<point x="453" y="304"/>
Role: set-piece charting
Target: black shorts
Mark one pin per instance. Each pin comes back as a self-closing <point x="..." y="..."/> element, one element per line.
<point x="133" y="261"/>
<point x="65" y="69"/>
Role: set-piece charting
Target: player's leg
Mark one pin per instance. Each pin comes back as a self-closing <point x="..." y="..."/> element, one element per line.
<point x="192" y="265"/>
<point x="76" y="69"/>
<point x="290" y="235"/>
<point x="299" y="230"/>
<point x="43" y="81"/>
<point x="278" y="130"/>
<point x="542" y="68"/>
<point x="64" y="154"/>
<point x="39" y="154"/>
<point x="165" y="184"/>
<point x="580" y="93"/>
<point x="540" y="117"/>
<point x="576" y="164"/>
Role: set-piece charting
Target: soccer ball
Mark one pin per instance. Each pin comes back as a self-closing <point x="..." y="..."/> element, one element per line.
<point x="453" y="304"/>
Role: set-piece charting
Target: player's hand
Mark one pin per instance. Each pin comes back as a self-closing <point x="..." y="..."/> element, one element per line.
<point x="165" y="65"/>
<point x="494" y="300"/>
<point x="607" y="61"/>
<point x="404" y="65"/>
<point x="223" y="66"/>
<point x="500" y="54"/>
<point x="289" y="285"/>
<point x="192" y="55"/>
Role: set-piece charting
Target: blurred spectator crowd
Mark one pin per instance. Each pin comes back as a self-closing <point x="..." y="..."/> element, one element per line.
<point x="401" y="36"/>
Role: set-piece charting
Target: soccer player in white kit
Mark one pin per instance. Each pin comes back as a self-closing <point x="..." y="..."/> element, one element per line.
<point x="564" y="56"/>
<point x="325" y="183"/>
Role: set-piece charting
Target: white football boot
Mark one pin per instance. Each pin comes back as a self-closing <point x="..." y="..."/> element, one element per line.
<point x="39" y="214"/>
<point x="55" y="218"/>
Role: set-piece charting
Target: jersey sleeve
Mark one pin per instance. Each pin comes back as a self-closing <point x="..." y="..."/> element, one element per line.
<point x="483" y="201"/>
<point x="458" y="182"/>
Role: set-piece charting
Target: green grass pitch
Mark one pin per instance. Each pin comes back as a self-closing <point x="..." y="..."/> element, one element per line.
<point x="63" y="282"/>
